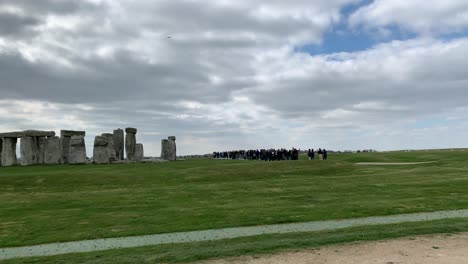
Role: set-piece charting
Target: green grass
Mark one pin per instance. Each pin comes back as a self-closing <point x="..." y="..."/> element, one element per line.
<point x="267" y="244"/>
<point x="44" y="204"/>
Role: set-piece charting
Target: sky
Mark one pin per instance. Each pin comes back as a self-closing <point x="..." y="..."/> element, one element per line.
<point x="224" y="74"/>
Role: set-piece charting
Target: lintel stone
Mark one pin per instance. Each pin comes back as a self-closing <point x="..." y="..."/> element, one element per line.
<point x="131" y="130"/>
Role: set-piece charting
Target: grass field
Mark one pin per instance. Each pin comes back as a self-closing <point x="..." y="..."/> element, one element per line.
<point x="64" y="203"/>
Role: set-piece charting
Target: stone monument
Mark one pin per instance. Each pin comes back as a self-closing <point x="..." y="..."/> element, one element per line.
<point x="130" y="143"/>
<point x="65" y="137"/>
<point x="101" y="152"/>
<point x="110" y="146"/>
<point x="168" y="149"/>
<point x="119" y="144"/>
<point x="52" y="151"/>
<point x="76" y="150"/>
<point x="139" y="153"/>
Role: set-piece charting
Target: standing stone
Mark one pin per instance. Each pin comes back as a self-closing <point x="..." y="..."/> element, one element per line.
<point x="119" y="144"/>
<point x="168" y="149"/>
<point x="41" y="148"/>
<point x="65" y="137"/>
<point x="130" y="143"/>
<point x="9" y="152"/>
<point x="101" y="152"/>
<point x="52" y="151"/>
<point x="139" y="153"/>
<point x="110" y="146"/>
<point x="77" y="150"/>
<point x="29" y="151"/>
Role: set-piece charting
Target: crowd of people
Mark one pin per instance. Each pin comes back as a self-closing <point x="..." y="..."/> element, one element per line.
<point x="268" y="154"/>
<point x="322" y="154"/>
<point x="263" y="154"/>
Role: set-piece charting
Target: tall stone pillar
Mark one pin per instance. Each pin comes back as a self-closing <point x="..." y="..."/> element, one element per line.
<point x="77" y="150"/>
<point x="41" y="149"/>
<point x="9" y="152"/>
<point x="101" y="152"/>
<point x="130" y="143"/>
<point x="119" y="144"/>
<point x="168" y="149"/>
<point x="139" y="153"/>
<point x="110" y="146"/>
<point x="29" y="151"/>
<point x="52" y="151"/>
<point x="65" y="137"/>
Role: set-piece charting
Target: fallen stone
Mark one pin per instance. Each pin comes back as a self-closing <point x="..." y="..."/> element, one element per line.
<point x="131" y="130"/>
<point x="119" y="144"/>
<point x="100" y="153"/>
<point x="139" y="153"/>
<point x="52" y="151"/>
<point x="9" y="152"/>
<point x="77" y="150"/>
<point x="110" y="146"/>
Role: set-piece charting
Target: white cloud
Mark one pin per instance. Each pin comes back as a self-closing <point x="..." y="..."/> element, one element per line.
<point x="416" y="16"/>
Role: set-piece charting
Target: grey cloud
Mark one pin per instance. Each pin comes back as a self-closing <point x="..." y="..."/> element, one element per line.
<point x="12" y="25"/>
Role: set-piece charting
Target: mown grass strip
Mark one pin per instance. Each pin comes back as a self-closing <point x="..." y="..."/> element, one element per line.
<point x="218" y="234"/>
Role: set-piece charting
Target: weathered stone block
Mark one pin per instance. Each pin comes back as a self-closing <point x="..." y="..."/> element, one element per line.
<point x="37" y="133"/>
<point x="52" y="151"/>
<point x="77" y="150"/>
<point x="12" y="134"/>
<point x="41" y="146"/>
<point x="71" y="133"/>
<point x="110" y="146"/>
<point x="131" y="130"/>
<point x="119" y="144"/>
<point x="100" y="153"/>
<point x="9" y="152"/>
<point x="65" y="136"/>
<point x="130" y="143"/>
<point x="29" y="151"/>
<point x="139" y="152"/>
<point x="168" y="150"/>
<point x="101" y="141"/>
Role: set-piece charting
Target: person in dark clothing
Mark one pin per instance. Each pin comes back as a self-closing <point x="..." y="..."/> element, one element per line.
<point x="325" y="154"/>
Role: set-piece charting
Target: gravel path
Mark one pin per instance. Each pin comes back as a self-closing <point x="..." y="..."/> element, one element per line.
<point x="217" y="234"/>
<point x="440" y="249"/>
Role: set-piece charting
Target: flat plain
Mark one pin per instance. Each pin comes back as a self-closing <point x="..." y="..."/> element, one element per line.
<point x="46" y="204"/>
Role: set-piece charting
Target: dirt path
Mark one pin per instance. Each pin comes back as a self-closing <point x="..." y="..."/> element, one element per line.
<point x="440" y="249"/>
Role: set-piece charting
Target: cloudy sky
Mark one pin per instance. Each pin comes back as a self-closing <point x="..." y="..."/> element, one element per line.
<point x="229" y="74"/>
